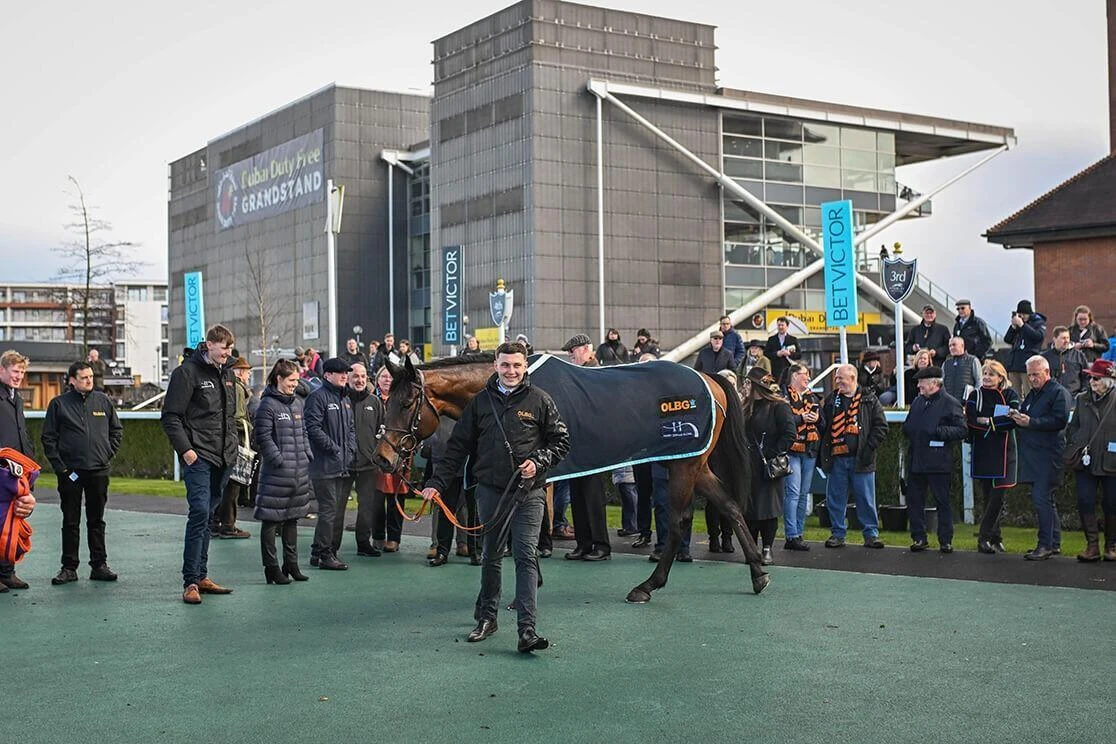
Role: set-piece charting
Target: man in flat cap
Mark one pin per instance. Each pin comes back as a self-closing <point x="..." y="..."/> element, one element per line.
<point x="972" y="329"/>
<point x="330" y="429"/>
<point x="587" y="494"/>
<point x="929" y="334"/>
<point x="934" y="421"/>
<point x="715" y="357"/>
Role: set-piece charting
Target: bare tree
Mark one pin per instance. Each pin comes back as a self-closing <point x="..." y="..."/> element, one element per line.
<point x="92" y="260"/>
<point x="266" y="311"/>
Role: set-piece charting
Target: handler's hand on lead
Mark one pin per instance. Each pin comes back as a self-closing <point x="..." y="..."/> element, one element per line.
<point x="528" y="469"/>
<point x="24" y="505"/>
<point x="429" y="493"/>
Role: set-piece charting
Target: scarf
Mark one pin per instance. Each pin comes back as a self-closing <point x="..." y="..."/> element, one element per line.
<point x="845" y="423"/>
<point x="807" y="432"/>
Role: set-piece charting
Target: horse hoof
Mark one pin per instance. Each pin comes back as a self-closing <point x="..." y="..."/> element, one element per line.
<point x="760" y="583"/>
<point x="638" y="596"/>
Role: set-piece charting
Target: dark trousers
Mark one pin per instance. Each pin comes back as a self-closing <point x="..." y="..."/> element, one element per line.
<point x="332" y="494"/>
<point x="1087" y="485"/>
<point x="386" y="519"/>
<point x="523" y="527"/>
<point x="644" y="487"/>
<point x="993" y="510"/>
<point x="452" y="496"/>
<point x="95" y="489"/>
<point x="587" y="501"/>
<point x="1042" y="497"/>
<point x="938" y="484"/>
<point x="718" y="525"/>
<point x="365" y="483"/>
<point x="225" y="518"/>
<point x="764" y="528"/>
<point x="288" y="532"/>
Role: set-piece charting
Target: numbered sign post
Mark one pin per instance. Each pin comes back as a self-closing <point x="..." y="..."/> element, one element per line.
<point x="898" y="277"/>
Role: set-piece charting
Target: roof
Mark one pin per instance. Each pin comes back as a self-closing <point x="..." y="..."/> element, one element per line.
<point x="1082" y="207"/>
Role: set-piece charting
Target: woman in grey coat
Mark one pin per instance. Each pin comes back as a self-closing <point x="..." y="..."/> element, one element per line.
<point x="283" y="496"/>
<point x="771" y="431"/>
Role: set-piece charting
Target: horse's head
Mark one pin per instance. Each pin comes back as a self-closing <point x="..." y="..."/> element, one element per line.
<point x="409" y="418"/>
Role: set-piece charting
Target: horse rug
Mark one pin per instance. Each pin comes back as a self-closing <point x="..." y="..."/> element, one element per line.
<point x="626" y="414"/>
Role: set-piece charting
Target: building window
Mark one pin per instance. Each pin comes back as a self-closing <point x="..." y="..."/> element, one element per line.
<point x="137" y="294"/>
<point x="160" y="294"/>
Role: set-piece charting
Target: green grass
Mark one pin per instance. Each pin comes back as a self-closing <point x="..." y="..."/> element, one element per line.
<point x="141" y="486"/>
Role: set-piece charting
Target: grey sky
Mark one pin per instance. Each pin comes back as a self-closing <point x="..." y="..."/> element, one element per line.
<point x="111" y="92"/>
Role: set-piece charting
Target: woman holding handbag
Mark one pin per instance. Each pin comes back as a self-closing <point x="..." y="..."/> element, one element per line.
<point x="771" y="431"/>
<point x="994" y="448"/>
<point x="283" y="496"/>
<point x="1092" y="440"/>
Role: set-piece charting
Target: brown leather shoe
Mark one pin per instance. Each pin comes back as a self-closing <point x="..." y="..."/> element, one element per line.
<point x="191" y="595"/>
<point x="391" y="546"/>
<point x="209" y="586"/>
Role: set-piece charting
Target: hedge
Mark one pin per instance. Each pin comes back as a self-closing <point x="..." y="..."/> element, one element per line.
<point x="145" y="452"/>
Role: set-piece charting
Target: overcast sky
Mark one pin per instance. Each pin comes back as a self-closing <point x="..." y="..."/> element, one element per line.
<point x="111" y="92"/>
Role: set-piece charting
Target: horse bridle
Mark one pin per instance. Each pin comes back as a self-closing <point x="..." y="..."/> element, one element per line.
<point x="409" y="442"/>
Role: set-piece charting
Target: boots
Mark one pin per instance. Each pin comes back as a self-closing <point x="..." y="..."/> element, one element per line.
<point x="1110" y="537"/>
<point x="291" y="571"/>
<point x="275" y="576"/>
<point x="1091" y="554"/>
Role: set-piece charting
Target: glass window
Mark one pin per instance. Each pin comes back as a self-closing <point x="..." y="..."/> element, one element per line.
<point x="887" y="184"/>
<point x="739" y="168"/>
<point x="119" y="351"/>
<point x="792" y="215"/>
<point x="885" y="142"/>
<point x="738" y="233"/>
<point x="787" y="152"/>
<point x="744" y="147"/>
<point x="788" y="172"/>
<point x="858" y="180"/>
<point x="886" y="162"/>
<point x="736" y="297"/>
<point x="163" y="313"/>
<point x="741" y="124"/>
<point x="137" y="294"/>
<point x="816" y="175"/>
<point x="738" y="254"/>
<point x="858" y="139"/>
<point x="821" y="155"/>
<point x="744" y="277"/>
<point x="783" y="129"/>
<point x="858" y="159"/>
<point x="160" y="294"/>
<point x="811" y="216"/>
<point x="821" y="133"/>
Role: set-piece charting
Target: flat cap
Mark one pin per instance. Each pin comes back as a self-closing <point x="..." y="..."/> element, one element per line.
<point x="336" y="366"/>
<point x="929" y="373"/>
<point x="579" y="340"/>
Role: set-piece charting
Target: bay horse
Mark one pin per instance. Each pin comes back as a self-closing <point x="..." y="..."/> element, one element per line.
<point x="420" y="395"/>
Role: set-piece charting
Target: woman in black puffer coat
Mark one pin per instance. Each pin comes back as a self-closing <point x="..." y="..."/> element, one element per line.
<point x="283" y="496"/>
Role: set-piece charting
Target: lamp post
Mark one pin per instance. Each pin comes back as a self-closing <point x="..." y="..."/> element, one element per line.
<point x="357" y="330"/>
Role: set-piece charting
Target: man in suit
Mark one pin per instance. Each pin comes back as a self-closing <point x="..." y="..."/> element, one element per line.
<point x="781" y="348"/>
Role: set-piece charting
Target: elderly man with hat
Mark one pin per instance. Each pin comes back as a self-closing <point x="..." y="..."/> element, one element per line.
<point x="715" y="357"/>
<point x="1025" y="337"/>
<point x="331" y="430"/>
<point x="929" y="334"/>
<point x="223" y="524"/>
<point x="934" y="421"/>
<point x="973" y="330"/>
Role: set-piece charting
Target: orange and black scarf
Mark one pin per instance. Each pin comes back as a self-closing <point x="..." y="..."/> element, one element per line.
<point x="844" y="423"/>
<point x="807" y="432"/>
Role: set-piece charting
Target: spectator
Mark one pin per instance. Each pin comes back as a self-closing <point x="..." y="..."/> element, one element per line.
<point x="772" y="431"/>
<point x="368" y="412"/>
<point x="406" y="351"/>
<point x="1024" y="337"/>
<point x="472" y="346"/>
<point x="855" y="427"/>
<point x="732" y="341"/>
<point x="314" y="362"/>
<point x="972" y="330"/>
<point x="781" y="348"/>
<point x="387" y="352"/>
<point x="1087" y="336"/>
<point x="522" y="339"/>
<point x="387" y="522"/>
<point x="806" y="410"/>
<point x="753" y="357"/>
<point x="330" y="429"/>
<point x="995" y="455"/>
<point x="81" y="435"/>
<point x="960" y="370"/>
<point x="933" y="422"/>
<point x="1066" y="360"/>
<point x="929" y="334"/>
<point x="1042" y="421"/>
<point x="871" y="377"/>
<point x="1110" y="355"/>
<point x="660" y="497"/>
<point x="715" y="357"/>
<point x="99" y="368"/>
<point x="921" y="360"/>
<point x="223" y="524"/>
<point x="353" y="354"/>
<point x="13" y="433"/>
<point x="199" y="420"/>
<point x="645" y="344"/>
<point x="624" y="480"/>
<point x="1093" y="426"/>
<point x="587" y="495"/>
<point x="373" y="348"/>
<point x="283" y="494"/>
<point x="612" y="351"/>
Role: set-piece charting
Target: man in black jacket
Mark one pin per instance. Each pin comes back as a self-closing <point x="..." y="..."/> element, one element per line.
<point x="330" y="429"/>
<point x="933" y="422"/>
<point x="855" y="427"/>
<point x="972" y="329"/>
<point x="781" y="348"/>
<point x="199" y="419"/>
<point x="13" y="433"/>
<point x="929" y="334"/>
<point x="1024" y="337"/>
<point x="509" y="410"/>
<point x="715" y="357"/>
<point x="81" y="435"/>
<point x="368" y="412"/>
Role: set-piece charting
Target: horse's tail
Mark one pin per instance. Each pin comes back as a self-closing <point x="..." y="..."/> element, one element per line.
<point x="730" y="459"/>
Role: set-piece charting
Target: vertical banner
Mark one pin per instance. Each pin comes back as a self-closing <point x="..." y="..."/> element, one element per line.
<point x="840" y="267"/>
<point x="451" y="294"/>
<point x="310" y="320"/>
<point x="195" y="308"/>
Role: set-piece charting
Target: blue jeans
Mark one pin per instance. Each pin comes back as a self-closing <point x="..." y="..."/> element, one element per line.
<point x="205" y="487"/>
<point x="796" y="492"/>
<point x="842" y="477"/>
<point x="561" y="501"/>
<point x="628" y="503"/>
<point x="660" y="499"/>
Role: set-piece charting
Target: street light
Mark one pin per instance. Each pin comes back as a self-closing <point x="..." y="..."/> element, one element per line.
<point x="357" y="330"/>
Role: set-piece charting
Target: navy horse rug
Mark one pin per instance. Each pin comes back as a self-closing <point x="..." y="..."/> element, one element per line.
<point x="626" y="414"/>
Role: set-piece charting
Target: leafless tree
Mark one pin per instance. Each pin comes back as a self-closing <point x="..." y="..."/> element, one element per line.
<point x="92" y="260"/>
<point x="266" y="310"/>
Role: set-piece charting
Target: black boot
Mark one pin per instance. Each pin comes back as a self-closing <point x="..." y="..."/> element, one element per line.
<point x="275" y="576"/>
<point x="1089" y="525"/>
<point x="291" y="570"/>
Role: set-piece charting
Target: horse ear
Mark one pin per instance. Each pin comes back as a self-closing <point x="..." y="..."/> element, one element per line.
<point x="409" y="368"/>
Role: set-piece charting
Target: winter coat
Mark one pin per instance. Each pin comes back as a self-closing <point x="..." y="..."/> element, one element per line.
<point x="81" y="432"/>
<point x="1095" y="332"/>
<point x="711" y="362"/>
<point x="612" y="352"/>
<point x="284" y="451"/>
<point x="651" y="347"/>
<point x="1066" y="366"/>
<point x="932" y="423"/>
<point x="771" y="424"/>
<point x="750" y="361"/>
<point x="1025" y="341"/>
<point x="13" y="424"/>
<point x="959" y="372"/>
<point x="357" y="358"/>
<point x="995" y="451"/>
<point x="329" y="427"/>
<point x="772" y="348"/>
<point x="368" y="413"/>
<point x="735" y="345"/>
<point x="199" y="410"/>
<point x="975" y="334"/>
<point x="1042" y="443"/>
<point x="534" y="430"/>
<point x="873" y="431"/>
<point x="873" y="381"/>
<point x="1082" y="431"/>
<point x="934" y="337"/>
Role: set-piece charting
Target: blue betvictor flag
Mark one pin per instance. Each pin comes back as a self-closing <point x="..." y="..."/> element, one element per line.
<point x="840" y="269"/>
<point x="451" y="295"/>
<point x="195" y="308"/>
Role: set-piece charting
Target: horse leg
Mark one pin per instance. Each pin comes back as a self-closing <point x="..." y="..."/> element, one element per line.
<point x="713" y="490"/>
<point x="681" y="514"/>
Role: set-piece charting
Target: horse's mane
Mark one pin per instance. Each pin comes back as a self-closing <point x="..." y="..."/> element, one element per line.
<point x="480" y="356"/>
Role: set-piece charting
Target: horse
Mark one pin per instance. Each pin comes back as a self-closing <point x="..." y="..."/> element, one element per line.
<point x="420" y="395"/>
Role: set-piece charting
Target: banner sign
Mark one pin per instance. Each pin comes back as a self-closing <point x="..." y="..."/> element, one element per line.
<point x="286" y="177"/>
<point x="813" y="322"/>
<point x="840" y="269"/>
<point x="451" y="294"/>
<point x="195" y="308"/>
<point x="310" y="320"/>
<point x="899" y="277"/>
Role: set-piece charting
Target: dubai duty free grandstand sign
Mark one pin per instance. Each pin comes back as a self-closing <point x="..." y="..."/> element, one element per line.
<point x="285" y="177"/>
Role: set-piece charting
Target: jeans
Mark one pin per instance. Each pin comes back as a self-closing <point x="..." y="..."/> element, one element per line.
<point x="938" y="484"/>
<point x="629" y="500"/>
<point x="660" y="497"/>
<point x="796" y="494"/>
<point x="332" y="495"/>
<point x="205" y="487"/>
<point x="95" y="488"/>
<point x="524" y="524"/>
<point x="561" y="501"/>
<point x="1042" y="496"/>
<point x="842" y="477"/>
<point x="643" y="498"/>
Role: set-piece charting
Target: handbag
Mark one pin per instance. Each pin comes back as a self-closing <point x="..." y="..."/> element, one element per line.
<point x="245" y="461"/>
<point x="776" y="466"/>
<point x="1080" y="458"/>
